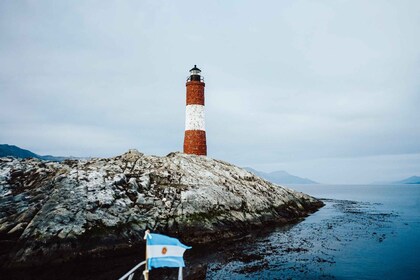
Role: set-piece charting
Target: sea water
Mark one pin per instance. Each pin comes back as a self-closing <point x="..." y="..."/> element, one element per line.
<point x="363" y="232"/>
<point x="397" y="256"/>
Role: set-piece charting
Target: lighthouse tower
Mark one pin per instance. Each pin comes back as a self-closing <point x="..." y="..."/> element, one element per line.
<point x="195" y="133"/>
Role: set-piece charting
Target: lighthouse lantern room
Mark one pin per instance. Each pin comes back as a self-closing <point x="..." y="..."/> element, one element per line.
<point x="195" y="74"/>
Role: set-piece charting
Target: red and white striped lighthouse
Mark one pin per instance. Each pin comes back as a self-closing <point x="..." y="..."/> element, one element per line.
<point x="195" y="132"/>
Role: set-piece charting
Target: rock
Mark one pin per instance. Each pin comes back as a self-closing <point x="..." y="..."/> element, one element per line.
<point x="132" y="155"/>
<point x="133" y="183"/>
<point x="140" y="199"/>
<point x="82" y="207"/>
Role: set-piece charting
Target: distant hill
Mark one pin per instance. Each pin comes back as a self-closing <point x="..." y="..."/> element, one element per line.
<point x="411" y="180"/>
<point x="281" y="177"/>
<point x="14" y="151"/>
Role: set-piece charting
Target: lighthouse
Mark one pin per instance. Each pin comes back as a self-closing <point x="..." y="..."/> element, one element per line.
<point x="195" y="132"/>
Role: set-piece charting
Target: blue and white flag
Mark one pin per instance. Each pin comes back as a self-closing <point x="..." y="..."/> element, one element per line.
<point x="164" y="251"/>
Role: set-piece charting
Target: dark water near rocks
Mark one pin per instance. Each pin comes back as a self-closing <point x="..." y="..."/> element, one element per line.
<point x="363" y="232"/>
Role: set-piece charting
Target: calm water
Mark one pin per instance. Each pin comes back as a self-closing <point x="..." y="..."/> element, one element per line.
<point x="363" y="232"/>
<point x="398" y="256"/>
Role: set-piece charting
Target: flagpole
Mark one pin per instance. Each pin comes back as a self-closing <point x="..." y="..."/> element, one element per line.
<point x="180" y="273"/>
<point x="146" y="269"/>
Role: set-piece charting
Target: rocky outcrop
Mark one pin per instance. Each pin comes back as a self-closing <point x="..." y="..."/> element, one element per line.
<point x="53" y="211"/>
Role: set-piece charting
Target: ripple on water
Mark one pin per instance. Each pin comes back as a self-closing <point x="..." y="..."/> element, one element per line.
<point x="304" y="250"/>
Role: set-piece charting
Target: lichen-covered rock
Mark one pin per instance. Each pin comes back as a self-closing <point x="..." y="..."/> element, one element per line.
<point x="53" y="211"/>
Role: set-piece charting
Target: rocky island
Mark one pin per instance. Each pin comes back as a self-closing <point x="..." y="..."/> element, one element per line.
<point x="56" y="211"/>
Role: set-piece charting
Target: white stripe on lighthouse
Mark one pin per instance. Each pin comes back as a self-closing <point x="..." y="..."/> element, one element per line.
<point x="194" y="119"/>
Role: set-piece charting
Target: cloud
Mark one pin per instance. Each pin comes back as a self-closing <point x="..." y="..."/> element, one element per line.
<point x="286" y="82"/>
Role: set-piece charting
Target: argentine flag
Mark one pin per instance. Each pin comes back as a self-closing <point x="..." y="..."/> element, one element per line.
<point x="164" y="251"/>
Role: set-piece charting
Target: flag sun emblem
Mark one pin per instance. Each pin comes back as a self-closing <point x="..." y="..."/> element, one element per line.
<point x="164" y="250"/>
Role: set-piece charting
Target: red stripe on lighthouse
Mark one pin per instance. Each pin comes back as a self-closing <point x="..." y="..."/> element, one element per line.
<point x="195" y="142"/>
<point x="195" y="93"/>
<point x="195" y="134"/>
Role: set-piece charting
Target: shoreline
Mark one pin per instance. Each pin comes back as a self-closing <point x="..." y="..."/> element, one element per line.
<point x="120" y="261"/>
<point x="308" y="246"/>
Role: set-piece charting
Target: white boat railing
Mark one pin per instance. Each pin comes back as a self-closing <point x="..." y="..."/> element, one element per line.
<point x="129" y="275"/>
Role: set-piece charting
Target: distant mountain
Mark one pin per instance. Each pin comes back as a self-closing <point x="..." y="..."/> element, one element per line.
<point x="411" y="180"/>
<point x="10" y="150"/>
<point x="281" y="177"/>
<point x="14" y="151"/>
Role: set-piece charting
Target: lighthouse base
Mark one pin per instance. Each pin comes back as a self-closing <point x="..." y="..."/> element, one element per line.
<point x="195" y="142"/>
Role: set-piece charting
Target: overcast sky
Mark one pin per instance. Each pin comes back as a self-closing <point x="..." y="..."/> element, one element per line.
<point x="328" y="90"/>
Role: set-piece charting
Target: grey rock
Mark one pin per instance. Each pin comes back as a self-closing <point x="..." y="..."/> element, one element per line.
<point x="77" y="207"/>
<point x="141" y="199"/>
